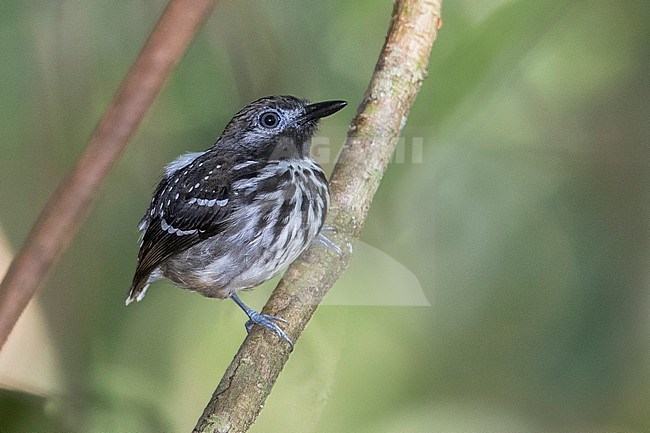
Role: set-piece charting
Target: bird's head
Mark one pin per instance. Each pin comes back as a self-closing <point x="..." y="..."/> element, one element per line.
<point x="275" y="127"/>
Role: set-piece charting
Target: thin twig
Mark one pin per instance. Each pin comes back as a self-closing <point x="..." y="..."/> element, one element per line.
<point x="372" y="137"/>
<point x="71" y="202"/>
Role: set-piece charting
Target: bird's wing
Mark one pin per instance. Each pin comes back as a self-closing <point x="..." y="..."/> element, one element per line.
<point x="190" y="205"/>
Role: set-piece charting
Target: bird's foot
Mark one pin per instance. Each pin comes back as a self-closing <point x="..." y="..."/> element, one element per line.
<point x="267" y="321"/>
<point x="322" y="239"/>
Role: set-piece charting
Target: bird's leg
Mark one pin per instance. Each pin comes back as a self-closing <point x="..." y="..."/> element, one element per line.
<point x="322" y="239"/>
<point x="265" y="320"/>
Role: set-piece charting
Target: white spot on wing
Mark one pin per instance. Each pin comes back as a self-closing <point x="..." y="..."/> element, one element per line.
<point x="172" y="230"/>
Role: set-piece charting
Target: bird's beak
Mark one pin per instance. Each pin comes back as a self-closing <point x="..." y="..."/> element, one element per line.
<point x="322" y="109"/>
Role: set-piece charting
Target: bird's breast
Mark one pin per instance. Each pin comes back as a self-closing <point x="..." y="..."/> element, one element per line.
<point x="287" y="198"/>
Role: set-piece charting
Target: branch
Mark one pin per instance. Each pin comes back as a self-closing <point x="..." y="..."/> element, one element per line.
<point x="372" y="137"/>
<point x="71" y="202"/>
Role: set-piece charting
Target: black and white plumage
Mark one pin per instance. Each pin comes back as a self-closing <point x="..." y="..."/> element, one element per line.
<point x="232" y="217"/>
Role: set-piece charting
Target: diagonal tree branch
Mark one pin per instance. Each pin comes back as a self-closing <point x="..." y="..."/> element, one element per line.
<point x="372" y="137"/>
<point x="71" y="202"/>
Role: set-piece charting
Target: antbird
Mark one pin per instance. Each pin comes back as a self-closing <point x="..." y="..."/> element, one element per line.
<point x="233" y="216"/>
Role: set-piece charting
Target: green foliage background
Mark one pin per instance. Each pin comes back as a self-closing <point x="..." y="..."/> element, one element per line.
<point x="525" y="220"/>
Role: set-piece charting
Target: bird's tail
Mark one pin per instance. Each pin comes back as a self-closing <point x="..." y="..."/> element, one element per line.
<point x="139" y="288"/>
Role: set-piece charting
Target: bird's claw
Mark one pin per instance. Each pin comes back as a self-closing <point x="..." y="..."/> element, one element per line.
<point x="267" y="321"/>
<point x="322" y="239"/>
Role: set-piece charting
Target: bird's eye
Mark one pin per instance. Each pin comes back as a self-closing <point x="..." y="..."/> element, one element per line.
<point x="270" y="119"/>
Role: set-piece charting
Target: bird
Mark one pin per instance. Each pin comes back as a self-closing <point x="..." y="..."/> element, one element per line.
<point x="235" y="215"/>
